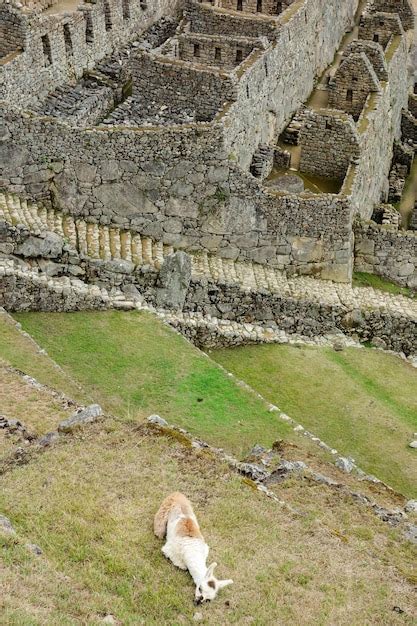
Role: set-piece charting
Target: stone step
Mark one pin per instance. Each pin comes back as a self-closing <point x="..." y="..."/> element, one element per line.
<point x="111" y="243"/>
<point x="93" y="240"/>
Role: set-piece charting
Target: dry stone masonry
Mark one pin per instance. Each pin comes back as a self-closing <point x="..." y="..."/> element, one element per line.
<point x="131" y="131"/>
<point x="55" y="263"/>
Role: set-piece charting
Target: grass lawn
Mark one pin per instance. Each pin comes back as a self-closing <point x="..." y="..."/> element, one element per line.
<point x="22" y="353"/>
<point x="134" y="366"/>
<point x="362" y="402"/>
<point x="89" y="503"/>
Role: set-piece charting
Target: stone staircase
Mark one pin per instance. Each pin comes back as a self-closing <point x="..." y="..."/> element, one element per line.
<point x="93" y="240"/>
<point x="111" y="243"/>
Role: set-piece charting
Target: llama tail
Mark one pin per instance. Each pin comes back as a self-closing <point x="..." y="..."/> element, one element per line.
<point x="160" y="522"/>
<point x="161" y="518"/>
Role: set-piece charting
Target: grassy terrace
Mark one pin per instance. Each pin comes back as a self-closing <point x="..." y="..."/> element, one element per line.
<point x="363" y="402"/>
<point x="22" y="353"/>
<point x="134" y="366"/>
<point x="88" y="501"/>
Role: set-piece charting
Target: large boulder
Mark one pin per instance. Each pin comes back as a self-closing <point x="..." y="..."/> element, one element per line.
<point x="174" y="281"/>
<point x="80" y="418"/>
<point x="49" y="246"/>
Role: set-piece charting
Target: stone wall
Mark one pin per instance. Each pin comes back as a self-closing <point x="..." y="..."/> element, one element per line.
<point x="188" y="185"/>
<point x="267" y="7"/>
<point x="214" y="50"/>
<point x="59" y="47"/>
<point x="43" y="247"/>
<point x="386" y="252"/>
<point x="378" y="126"/>
<point x="404" y="9"/>
<point x="374" y="53"/>
<point x="409" y="127"/>
<point x="181" y="195"/>
<point x="12" y="34"/>
<point x="329" y="140"/>
<point x="200" y="91"/>
<point x="379" y="27"/>
<point x="210" y="20"/>
<point x="412" y="104"/>
<point x="304" y="45"/>
<point x="38" y="4"/>
<point x="22" y="289"/>
<point x="354" y="80"/>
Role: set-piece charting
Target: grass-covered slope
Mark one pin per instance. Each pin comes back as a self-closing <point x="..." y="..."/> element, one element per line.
<point x="22" y="353"/>
<point x="363" y="402"/>
<point x="89" y="502"/>
<point x="133" y="365"/>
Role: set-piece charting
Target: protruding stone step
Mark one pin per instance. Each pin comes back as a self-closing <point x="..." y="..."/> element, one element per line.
<point x="147" y="251"/>
<point x="137" y="257"/>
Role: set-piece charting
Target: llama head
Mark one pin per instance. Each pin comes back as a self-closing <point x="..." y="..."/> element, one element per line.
<point x="209" y="587"/>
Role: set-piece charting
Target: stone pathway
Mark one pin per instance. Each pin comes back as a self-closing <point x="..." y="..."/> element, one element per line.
<point x="111" y="243"/>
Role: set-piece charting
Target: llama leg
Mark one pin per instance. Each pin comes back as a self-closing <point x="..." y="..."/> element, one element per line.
<point x="174" y="558"/>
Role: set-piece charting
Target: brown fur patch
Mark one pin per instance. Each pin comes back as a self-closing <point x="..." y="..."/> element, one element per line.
<point x="175" y="501"/>
<point x="212" y="584"/>
<point x="188" y="528"/>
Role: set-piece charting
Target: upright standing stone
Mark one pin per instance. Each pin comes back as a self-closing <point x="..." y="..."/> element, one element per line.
<point x="174" y="281"/>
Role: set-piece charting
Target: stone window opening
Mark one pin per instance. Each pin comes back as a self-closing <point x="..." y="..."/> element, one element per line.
<point x="125" y="9"/>
<point x="247" y="91"/>
<point x="107" y="16"/>
<point x="382" y="22"/>
<point x="266" y="69"/>
<point x="376" y="37"/>
<point x="354" y="79"/>
<point x="329" y="125"/>
<point x="47" y="54"/>
<point x="143" y="5"/>
<point x="68" y="40"/>
<point x="89" y="34"/>
<point x="239" y="6"/>
<point x="259" y="6"/>
<point x="196" y="49"/>
<point x="218" y="54"/>
<point x="349" y="95"/>
<point x="239" y="56"/>
<point x="279" y="8"/>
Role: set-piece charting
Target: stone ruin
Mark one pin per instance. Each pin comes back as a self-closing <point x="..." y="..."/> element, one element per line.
<point x="254" y="132"/>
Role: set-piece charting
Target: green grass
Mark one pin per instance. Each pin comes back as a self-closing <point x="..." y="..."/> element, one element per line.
<point x="134" y="366"/>
<point x="20" y="352"/>
<point x="362" y="402"/>
<point x="89" y="503"/>
<point x="363" y="279"/>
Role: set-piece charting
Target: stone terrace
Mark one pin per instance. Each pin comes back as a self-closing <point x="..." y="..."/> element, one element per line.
<point x="217" y="285"/>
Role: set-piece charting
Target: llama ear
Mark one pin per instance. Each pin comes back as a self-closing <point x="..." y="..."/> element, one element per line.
<point x="224" y="583"/>
<point x="210" y="570"/>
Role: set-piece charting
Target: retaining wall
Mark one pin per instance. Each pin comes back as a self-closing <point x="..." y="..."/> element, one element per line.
<point x="386" y="252"/>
